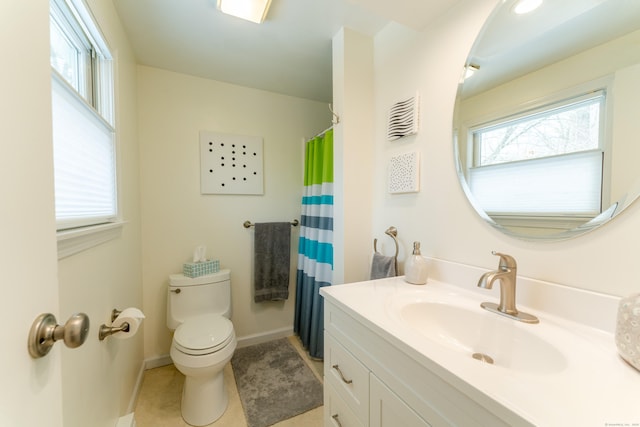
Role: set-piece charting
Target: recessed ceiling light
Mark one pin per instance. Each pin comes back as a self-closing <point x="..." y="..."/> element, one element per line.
<point x="251" y="10"/>
<point x="525" y="6"/>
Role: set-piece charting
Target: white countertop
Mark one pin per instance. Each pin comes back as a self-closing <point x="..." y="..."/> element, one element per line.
<point x="593" y="386"/>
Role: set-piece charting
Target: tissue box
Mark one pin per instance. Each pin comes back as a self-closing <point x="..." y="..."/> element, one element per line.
<point x="200" y="268"/>
<point x="628" y="330"/>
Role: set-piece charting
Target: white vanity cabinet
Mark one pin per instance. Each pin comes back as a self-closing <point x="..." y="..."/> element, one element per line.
<point x="356" y="397"/>
<point x="388" y="410"/>
<point x="373" y="381"/>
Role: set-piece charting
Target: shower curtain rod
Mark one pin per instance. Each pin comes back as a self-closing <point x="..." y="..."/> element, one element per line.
<point x="322" y="133"/>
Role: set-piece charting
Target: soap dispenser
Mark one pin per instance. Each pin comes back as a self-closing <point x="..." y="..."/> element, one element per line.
<point x="416" y="268"/>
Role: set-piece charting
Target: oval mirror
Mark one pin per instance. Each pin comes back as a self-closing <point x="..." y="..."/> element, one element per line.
<point x="547" y="119"/>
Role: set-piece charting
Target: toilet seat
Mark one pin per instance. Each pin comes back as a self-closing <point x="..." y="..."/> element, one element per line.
<point x="203" y="334"/>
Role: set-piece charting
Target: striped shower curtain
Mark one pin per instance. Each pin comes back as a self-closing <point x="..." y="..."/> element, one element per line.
<point x="315" y="247"/>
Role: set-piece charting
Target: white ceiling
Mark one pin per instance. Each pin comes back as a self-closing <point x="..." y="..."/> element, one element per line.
<point x="290" y="53"/>
<point x="511" y="46"/>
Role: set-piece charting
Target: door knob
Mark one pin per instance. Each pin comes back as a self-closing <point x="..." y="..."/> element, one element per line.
<point x="45" y="332"/>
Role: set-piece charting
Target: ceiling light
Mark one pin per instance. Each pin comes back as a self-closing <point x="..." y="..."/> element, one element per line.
<point x="525" y="6"/>
<point x="251" y="10"/>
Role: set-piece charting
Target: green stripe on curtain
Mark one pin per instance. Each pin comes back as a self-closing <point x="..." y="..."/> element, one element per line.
<point x="319" y="160"/>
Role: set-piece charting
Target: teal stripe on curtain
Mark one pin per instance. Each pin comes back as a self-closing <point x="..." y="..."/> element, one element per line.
<point x="318" y="200"/>
<point x="321" y="252"/>
<point x="315" y="245"/>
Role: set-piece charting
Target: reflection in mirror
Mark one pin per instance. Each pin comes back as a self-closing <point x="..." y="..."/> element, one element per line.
<point x="547" y="119"/>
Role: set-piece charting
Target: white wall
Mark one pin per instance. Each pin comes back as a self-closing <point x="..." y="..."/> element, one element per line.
<point x="439" y="215"/>
<point x="99" y="377"/>
<point x="353" y="157"/>
<point x="173" y="109"/>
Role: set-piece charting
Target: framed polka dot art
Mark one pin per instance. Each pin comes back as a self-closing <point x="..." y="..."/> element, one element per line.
<point x="231" y="164"/>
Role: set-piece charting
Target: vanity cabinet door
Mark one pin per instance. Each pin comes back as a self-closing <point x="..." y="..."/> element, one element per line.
<point x="388" y="410"/>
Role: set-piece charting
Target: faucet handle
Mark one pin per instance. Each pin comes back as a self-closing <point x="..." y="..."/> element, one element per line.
<point x="506" y="261"/>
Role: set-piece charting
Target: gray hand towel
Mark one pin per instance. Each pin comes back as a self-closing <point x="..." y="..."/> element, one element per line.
<point x="382" y="266"/>
<point x="271" y="261"/>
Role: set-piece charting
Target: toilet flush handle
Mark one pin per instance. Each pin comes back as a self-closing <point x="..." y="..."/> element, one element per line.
<point x="175" y="291"/>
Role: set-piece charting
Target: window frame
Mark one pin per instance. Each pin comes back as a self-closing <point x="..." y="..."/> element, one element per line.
<point x="548" y="109"/>
<point x="65" y="20"/>
<point x="511" y="113"/>
<point x="99" y="99"/>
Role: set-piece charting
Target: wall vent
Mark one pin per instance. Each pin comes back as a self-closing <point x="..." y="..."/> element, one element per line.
<point x="404" y="118"/>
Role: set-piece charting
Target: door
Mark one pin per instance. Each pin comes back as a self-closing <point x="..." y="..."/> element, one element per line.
<point x="31" y="389"/>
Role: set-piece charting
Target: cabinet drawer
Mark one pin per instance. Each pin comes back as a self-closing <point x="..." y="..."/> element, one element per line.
<point x="336" y="411"/>
<point x="349" y="377"/>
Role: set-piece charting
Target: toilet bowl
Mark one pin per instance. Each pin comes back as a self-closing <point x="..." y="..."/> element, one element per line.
<point x="203" y="343"/>
<point x="201" y="348"/>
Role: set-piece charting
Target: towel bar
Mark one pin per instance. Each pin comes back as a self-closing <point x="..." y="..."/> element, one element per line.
<point x="248" y="224"/>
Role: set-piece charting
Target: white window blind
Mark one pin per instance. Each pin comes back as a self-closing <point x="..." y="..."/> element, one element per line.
<point x="569" y="184"/>
<point x="84" y="157"/>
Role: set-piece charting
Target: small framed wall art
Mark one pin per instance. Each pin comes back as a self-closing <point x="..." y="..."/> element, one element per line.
<point x="231" y="164"/>
<point x="404" y="173"/>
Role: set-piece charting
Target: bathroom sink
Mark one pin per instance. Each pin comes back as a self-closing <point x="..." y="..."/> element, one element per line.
<point x="485" y="336"/>
<point x="424" y="337"/>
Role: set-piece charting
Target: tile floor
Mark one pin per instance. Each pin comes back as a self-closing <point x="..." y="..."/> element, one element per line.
<point x="159" y="399"/>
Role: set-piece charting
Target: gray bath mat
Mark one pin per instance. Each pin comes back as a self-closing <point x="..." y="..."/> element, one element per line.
<point x="274" y="383"/>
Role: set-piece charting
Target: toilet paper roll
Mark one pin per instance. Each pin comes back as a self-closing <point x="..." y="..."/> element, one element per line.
<point x="133" y="316"/>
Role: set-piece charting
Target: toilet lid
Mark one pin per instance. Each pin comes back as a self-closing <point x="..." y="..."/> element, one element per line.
<point x="203" y="334"/>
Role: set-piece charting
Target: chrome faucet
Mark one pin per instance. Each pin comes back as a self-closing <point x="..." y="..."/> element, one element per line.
<point x="506" y="273"/>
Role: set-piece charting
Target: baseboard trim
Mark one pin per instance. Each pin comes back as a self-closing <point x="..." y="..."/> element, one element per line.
<point x="253" y="339"/>
<point x="134" y="395"/>
<point x="126" y="421"/>
<point x="157" y="362"/>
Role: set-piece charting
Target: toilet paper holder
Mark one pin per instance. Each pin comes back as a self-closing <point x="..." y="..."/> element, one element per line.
<point x="114" y="314"/>
<point x="106" y="331"/>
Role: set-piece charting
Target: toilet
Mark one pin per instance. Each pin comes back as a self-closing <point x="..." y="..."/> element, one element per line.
<point x="198" y="309"/>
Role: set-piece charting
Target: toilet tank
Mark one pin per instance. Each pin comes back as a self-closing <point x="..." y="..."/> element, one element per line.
<point x="188" y="296"/>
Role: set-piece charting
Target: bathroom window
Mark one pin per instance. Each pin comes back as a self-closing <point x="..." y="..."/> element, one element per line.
<point x="83" y="119"/>
<point x="546" y="162"/>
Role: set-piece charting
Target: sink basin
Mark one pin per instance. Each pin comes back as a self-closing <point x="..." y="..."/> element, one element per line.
<point x="485" y="336"/>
